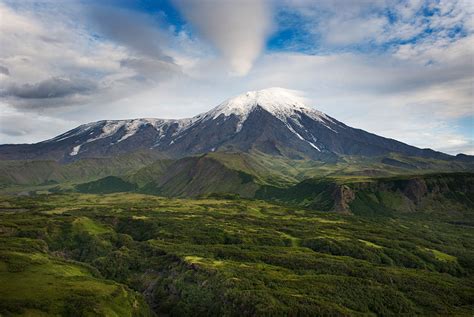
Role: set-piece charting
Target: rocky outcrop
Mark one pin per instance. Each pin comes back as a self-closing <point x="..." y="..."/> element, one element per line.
<point x="415" y="189"/>
<point x="343" y="196"/>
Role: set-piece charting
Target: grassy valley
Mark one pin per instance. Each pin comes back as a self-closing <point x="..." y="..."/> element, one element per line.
<point x="228" y="257"/>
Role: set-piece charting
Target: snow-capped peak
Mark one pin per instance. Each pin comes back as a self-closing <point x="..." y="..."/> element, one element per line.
<point x="274" y="100"/>
<point x="280" y="102"/>
<point x="286" y="105"/>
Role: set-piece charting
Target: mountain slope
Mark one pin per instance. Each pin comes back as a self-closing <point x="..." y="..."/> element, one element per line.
<point x="273" y="121"/>
<point x="36" y="172"/>
<point x="106" y="185"/>
<point x="193" y="176"/>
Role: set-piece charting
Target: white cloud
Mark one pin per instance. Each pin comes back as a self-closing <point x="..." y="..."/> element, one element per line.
<point x="36" y="48"/>
<point x="19" y="127"/>
<point x="341" y="23"/>
<point x="52" y="48"/>
<point x="138" y="32"/>
<point x="353" y="31"/>
<point x="238" y="29"/>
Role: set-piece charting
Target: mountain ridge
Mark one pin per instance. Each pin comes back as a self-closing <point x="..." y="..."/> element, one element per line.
<point x="274" y="121"/>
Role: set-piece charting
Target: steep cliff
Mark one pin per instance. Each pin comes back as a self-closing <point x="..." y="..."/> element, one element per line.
<point x="381" y="196"/>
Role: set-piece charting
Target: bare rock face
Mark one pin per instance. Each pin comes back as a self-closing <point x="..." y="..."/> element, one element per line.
<point x="343" y="196"/>
<point x="416" y="189"/>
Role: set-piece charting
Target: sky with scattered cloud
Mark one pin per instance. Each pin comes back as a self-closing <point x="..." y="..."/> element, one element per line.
<point x="400" y="69"/>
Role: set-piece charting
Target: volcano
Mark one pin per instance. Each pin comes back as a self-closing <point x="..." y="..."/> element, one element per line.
<point x="273" y="121"/>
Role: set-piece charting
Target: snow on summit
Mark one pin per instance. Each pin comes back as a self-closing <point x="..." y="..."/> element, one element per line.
<point x="280" y="102"/>
<point x="277" y="101"/>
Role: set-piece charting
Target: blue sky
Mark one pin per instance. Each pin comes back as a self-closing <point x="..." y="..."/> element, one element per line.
<point x="401" y="69"/>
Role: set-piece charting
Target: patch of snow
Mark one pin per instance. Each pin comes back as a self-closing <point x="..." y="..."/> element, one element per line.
<point x="110" y="128"/>
<point x="184" y="124"/>
<point x="75" y="150"/>
<point x="131" y="128"/>
<point x="301" y="138"/>
<point x="313" y="145"/>
<point x="61" y="137"/>
<point x="74" y="132"/>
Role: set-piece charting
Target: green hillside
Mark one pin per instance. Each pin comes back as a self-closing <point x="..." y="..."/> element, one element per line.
<point x="35" y="282"/>
<point x="48" y="172"/>
<point x="149" y="173"/>
<point x="106" y="185"/>
<point x="194" y="176"/>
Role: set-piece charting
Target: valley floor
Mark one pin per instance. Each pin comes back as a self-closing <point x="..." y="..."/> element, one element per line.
<point x="141" y="255"/>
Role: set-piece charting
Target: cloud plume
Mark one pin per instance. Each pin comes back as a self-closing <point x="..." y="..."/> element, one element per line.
<point x="238" y="29"/>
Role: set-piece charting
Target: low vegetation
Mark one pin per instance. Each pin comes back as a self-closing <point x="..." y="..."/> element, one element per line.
<point x="129" y="254"/>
